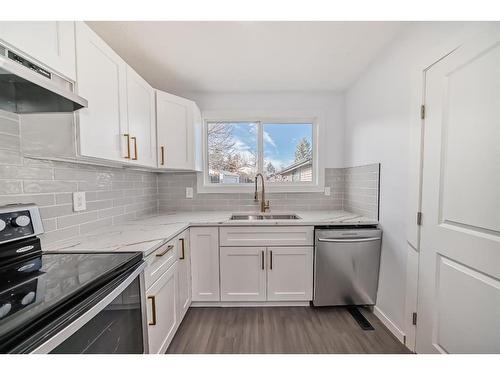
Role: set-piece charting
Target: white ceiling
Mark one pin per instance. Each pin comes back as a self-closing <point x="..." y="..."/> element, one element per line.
<point x="247" y="56"/>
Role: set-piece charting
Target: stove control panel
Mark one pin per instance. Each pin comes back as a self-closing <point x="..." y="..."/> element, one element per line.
<point x="19" y="221"/>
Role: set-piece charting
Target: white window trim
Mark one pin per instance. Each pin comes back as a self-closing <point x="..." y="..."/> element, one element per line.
<point x="317" y="118"/>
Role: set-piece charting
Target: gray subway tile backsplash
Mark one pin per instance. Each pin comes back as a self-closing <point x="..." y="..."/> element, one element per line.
<point x="353" y="189"/>
<point x="115" y="195"/>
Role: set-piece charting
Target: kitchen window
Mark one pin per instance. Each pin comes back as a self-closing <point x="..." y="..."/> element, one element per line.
<point x="285" y="152"/>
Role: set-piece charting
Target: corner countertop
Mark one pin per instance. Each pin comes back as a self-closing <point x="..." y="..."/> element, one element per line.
<point x="147" y="234"/>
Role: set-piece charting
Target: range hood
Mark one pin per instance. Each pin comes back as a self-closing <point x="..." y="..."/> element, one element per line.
<point x="26" y="87"/>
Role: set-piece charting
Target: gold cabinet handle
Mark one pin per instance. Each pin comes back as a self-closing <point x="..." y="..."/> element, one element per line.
<point x="182" y="248"/>
<point x="169" y="247"/>
<point x="135" y="147"/>
<point x="271" y="259"/>
<point x="262" y="258"/>
<point x="153" y="310"/>
<point x="162" y="162"/>
<point x="128" y="146"/>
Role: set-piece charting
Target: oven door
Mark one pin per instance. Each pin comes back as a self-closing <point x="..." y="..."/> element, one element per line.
<point x="115" y="324"/>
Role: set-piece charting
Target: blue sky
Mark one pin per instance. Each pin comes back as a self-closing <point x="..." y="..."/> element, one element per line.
<point x="280" y="140"/>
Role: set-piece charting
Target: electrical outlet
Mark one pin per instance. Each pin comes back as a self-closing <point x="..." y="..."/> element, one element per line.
<point x="79" y="201"/>
<point x="189" y="192"/>
<point x="327" y="191"/>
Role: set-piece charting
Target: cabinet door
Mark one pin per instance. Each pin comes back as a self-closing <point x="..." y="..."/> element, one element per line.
<point x="243" y="273"/>
<point x="290" y="273"/>
<point x="162" y="311"/>
<point x="50" y="42"/>
<point x="205" y="263"/>
<point x="174" y="120"/>
<point x="197" y="142"/>
<point x="101" y="75"/>
<point x="184" y="270"/>
<point x="141" y="121"/>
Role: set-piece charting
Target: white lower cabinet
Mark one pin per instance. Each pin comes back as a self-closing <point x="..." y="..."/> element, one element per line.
<point x="184" y="271"/>
<point x="162" y="310"/>
<point x="168" y="283"/>
<point x="205" y="263"/>
<point x="243" y="273"/>
<point x="266" y="273"/>
<point x="290" y="273"/>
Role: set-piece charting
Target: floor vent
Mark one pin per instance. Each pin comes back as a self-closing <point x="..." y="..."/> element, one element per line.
<point x="360" y="319"/>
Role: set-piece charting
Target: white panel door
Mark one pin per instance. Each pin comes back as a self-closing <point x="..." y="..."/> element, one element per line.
<point x="290" y="273"/>
<point x="204" y="243"/>
<point x="174" y="119"/>
<point x="50" y="42"/>
<point x="243" y="273"/>
<point x="184" y="270"/>
<point x="459" y="270"/>
<point x="141" y="119"/>
<point x="162" y="311"/>
<point x="101" y="77"/>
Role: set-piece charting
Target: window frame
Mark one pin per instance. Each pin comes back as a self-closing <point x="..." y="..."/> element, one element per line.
<point x="317" y="183"/>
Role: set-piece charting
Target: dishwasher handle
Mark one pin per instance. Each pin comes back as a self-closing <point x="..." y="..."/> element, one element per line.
<point x="348" y="240"/>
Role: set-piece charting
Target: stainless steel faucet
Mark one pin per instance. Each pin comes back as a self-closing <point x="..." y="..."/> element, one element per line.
<point x="263" y="204"/>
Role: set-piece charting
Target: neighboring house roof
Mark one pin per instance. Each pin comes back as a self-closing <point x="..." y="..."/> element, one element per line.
<point x="294" y="166"/>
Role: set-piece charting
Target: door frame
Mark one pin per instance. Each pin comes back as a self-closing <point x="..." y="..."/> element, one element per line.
<point x="417" y="129"/>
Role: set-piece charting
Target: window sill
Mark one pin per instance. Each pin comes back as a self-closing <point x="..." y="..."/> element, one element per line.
<point x="207" y="189"/>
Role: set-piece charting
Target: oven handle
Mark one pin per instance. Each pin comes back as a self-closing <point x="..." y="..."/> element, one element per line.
<point x="350" y="240"/>
<point x="70" y="329"/>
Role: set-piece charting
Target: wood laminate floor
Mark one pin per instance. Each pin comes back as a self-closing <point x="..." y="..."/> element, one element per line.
<point x="280" y="330"/>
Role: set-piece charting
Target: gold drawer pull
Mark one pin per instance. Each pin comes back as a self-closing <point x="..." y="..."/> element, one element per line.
<point x="135" y="147"/>
<point x="169" y="247"/>
<point x="153" y="310"/>
<point x="128" y="145"/>
<point x="182" y="248"/>
<point x="162" y="148"/>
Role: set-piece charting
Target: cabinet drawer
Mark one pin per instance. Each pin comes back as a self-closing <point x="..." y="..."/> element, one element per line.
<point x="159" y="261"/>
<point x="267" y="236"/>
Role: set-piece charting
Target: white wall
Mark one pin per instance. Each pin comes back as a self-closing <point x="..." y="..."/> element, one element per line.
<point x="329" y="104"/>
<point x="382" y="125"/>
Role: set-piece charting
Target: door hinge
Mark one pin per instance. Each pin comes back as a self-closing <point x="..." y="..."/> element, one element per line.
<point x="422" y="111"/>
<point x="419" y="218"/>
<point x="414" y="318"/>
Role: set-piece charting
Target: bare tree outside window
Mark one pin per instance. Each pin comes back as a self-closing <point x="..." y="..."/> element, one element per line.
<point x="232" y="158"/>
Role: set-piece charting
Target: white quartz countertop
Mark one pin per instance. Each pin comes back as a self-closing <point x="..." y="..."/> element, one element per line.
<point x="147" y="234"/>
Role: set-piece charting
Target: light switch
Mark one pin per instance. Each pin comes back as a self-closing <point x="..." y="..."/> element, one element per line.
<point x="327" y="190"/>
<point x="79" y="201"/>
<point x="189" y="192"/>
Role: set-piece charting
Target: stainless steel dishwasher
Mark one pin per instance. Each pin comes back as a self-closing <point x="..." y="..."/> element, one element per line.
<point x="346" y="266"/>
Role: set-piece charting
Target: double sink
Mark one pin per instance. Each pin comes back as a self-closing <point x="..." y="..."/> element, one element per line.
<point x="264" y="217"/>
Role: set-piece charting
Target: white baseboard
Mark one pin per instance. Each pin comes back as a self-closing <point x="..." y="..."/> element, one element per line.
<point x="248" y="304"/>
<point x="400" y="335"/>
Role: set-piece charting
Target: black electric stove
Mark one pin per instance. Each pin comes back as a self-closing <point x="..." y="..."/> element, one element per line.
<point x="41" y="293"/>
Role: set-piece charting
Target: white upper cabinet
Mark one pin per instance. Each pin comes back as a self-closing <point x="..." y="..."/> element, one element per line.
<point x="119" y="123"/>
<point x="52" y="43"/>
<point x="141" y="119"/>
<point x="178" y="123"/>
<point x="101" y="76"/>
